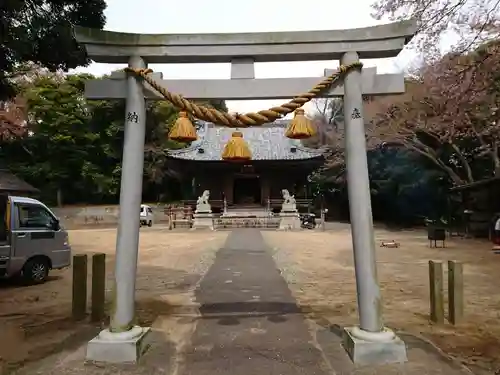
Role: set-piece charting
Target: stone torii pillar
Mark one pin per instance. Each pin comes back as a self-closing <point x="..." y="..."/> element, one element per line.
<point x="123" y="341"/>
<point x="371" y="342"/>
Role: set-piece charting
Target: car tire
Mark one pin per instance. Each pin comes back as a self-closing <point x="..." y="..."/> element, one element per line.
<point x="150" y="223"/>
<point x="36" y="271"/>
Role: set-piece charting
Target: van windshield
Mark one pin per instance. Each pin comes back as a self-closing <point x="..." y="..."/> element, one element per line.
<point x="34" y="216"/>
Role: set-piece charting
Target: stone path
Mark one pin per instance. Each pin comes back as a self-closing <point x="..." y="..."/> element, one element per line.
<point x="250" y="324"/>
<point x="250" y="321"/>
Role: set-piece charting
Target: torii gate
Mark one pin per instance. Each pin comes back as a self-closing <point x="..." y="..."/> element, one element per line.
<point x="371" y="342"/>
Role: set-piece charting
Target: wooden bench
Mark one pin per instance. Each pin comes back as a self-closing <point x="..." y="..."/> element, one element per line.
<point x="179" y="217"/>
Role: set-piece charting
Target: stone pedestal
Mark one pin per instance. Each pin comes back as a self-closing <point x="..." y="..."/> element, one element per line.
<point x="289" y="221"/>
<point x="203" y="220"/>
<point x="373" y="348"/>
<point x="122" y="347"/>
<point x="203" y="208"/>
<point x="289" y="207"/>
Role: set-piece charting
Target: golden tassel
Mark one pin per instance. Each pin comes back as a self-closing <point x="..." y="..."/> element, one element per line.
<point x="300" y="127"/>
<point x="183" y="129"/>
<point x="236" y="148"/>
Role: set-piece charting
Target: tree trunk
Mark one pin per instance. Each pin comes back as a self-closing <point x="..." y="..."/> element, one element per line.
<point x="464" y="162"/>
<point x="496" y="160"/>
<point x="457" y="180"/>
<point x="59" y="197"/>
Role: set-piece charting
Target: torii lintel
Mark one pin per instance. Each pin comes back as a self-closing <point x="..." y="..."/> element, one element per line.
<point x="379" y="41"/>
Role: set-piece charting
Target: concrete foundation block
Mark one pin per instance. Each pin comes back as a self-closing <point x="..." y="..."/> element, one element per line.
<point x="289" y="221"/>
<point x="126" y="347"/>
<point x="203" y="221"/>
<point x="365" y="350"/>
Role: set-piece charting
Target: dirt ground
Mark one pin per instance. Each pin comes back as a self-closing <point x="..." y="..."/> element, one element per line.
<point x="319" y="269"/>
<point x="35" y="321"/>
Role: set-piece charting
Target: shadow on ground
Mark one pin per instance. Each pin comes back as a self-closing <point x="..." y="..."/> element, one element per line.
<point x="423" y="356"/>
<point x="18" y="282"/>
<point x="46" y="328"/>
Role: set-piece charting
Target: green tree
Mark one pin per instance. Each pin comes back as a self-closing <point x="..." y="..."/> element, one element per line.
<point x="399" y="179"/>
<point x="74" y="147"/>
<point x="59" y="141"/>
<point x="40" y="32"/>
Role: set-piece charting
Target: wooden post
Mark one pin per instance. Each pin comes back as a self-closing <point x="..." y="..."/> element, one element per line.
<point x="455" y="292"/>
<point x="189" y="216"/>
<point x="436" y="291"/>
<point x="79" y="300"/>
<point x="170" y="218"/>
<point x="323" y="212"/>
<point x="98" y="286"/>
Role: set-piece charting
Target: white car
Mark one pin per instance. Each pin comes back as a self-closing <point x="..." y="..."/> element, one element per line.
<point x="147" y="216"/>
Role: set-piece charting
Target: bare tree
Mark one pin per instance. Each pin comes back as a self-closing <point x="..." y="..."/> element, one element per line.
<point x="329" y="121"/>
<point x="450" y="115"/>
<point x="473" y="21"/>
<point x="331" y="109"/>
<point x="328" y="118"/>
<point x="12" y="118"/>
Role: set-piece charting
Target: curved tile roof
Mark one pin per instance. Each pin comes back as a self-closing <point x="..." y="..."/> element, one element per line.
<point x="12" y="183"/>
<point x="266" y="142"/>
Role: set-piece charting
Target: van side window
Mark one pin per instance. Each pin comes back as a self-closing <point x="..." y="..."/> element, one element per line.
<point x="150" y="210"/>
<point x="33" y="216"/>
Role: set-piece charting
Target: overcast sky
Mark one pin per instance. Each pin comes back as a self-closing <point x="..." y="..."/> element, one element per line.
<point x="209" y="16"/>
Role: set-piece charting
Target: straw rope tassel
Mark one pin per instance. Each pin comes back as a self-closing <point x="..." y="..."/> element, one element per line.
<point x="236" y="149"/>
<point x="183" y="129"/>
<point x="300" y="127"/>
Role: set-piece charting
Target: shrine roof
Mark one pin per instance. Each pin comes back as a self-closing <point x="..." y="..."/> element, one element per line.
<point x="266" y="142"/>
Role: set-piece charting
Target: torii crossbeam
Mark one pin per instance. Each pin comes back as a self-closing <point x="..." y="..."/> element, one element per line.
<point x="371" y="342"/>
<point x="244" y="87"/>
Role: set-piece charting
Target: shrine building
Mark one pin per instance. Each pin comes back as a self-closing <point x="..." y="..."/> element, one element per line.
<point x="277" y="163"/>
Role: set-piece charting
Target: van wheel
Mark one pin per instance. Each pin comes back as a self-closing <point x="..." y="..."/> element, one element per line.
<point x="150" y="223"/>
<point x="36" y="270"/>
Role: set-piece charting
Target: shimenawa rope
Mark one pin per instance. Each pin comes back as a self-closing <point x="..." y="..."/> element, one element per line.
<point x="248" y="119"/>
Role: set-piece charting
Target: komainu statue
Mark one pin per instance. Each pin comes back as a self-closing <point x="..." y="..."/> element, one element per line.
<point x="202" y="204"/>
<point x="289" y="203"/>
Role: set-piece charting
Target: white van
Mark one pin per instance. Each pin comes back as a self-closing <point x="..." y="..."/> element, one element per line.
<point x="147" y="216"/>
<point x="32" y="241"/>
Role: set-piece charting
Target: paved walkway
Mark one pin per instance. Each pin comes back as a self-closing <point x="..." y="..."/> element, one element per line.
<point x="250" y="325"/>
<point x="250" y="322"/>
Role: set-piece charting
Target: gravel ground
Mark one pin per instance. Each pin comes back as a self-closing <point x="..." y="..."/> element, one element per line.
<point x="35" y="320"/>
<point x="319" y="269"/>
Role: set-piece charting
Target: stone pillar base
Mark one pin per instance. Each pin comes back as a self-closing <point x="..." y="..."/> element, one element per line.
<point x="289" y="221"/>
<point x="369" y="348"/>
<point x="203" y="221"/>
<point x="123" y="347"/>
